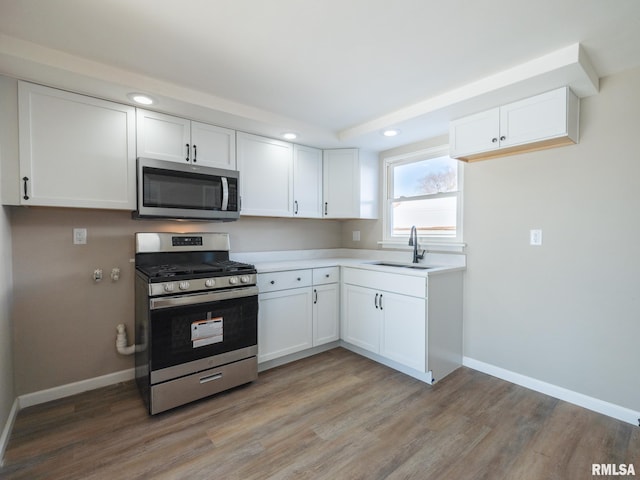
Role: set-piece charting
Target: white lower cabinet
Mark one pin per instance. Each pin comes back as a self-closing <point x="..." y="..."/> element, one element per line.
<point x="411" y="323"/>
<point x="386" y="323"/>
<point x="284" y="323"/>
<point x="326" y="305"/>
<point x="361" y="317"/>
<point x="403" y="330"/>
<point x="298" y="309"/>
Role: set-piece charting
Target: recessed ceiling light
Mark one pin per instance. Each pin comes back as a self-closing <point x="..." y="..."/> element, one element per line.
<point x="289" y="136"/>
<point x="391" y="132"/>
<point x="141" y="98"/>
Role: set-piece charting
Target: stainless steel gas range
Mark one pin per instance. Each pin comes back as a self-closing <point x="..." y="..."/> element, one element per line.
<point x="196" y="318"/>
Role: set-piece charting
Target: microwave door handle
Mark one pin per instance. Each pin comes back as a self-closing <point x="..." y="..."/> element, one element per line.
<point x="225" y="193"/>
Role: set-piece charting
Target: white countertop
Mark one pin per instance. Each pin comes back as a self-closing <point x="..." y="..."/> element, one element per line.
<point x="266" y="262"/>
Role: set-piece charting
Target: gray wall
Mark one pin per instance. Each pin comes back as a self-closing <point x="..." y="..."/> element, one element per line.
<point x="568" y="312"/>
<point x="64" y="322"/>
<point x="7" y="392"/>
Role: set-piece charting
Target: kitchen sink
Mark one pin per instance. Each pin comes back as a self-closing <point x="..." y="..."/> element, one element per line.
<point x="416" y="266"/>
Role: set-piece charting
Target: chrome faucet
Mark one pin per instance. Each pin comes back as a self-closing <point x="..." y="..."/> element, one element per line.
<point x="413" y="242"/>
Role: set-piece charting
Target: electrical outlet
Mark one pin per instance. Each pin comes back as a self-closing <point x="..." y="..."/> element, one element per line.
<point x="79" y="236"/>
<point x="535" y="237"/>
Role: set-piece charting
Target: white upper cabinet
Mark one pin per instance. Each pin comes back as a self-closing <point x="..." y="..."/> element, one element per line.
<point x="75" y="151"/>
<point x="176" y="139"/>
<point x="213" y="146"/>
<point x="266" y="176"/>
<point x="475" y="133"/>
<point x="543" y="121"/>
<point x="350" y="184"/>
<point x="307" y="182"/>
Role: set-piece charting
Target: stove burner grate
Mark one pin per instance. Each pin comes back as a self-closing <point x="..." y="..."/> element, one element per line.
<point x="210" y="268"/>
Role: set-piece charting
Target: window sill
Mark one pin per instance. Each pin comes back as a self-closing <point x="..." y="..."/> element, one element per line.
<point x="430" y="246"/>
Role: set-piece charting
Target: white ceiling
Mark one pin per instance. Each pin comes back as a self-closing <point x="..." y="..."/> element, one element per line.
<point x="334" y="71"/>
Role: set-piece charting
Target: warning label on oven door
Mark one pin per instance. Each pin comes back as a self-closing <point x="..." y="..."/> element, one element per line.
<point x="206" y="332"/>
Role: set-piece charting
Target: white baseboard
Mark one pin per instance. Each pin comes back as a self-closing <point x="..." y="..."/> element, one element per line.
<point x="69" y="389"/>
<point x="8" y="427"/>
<point x="276" y="362"/>
<point x="585" y="401"/>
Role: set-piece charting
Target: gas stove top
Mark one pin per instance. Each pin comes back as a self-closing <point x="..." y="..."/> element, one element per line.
<point x="219" y="268"/>
<point x="172" y="263"/>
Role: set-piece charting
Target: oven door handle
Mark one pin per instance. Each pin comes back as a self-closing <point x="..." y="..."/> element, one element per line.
<point x="198" y="298"/>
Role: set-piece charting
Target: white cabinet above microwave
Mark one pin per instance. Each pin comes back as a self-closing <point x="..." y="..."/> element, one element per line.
<point x="543" y="121"/>
<point x="175" y="139"/>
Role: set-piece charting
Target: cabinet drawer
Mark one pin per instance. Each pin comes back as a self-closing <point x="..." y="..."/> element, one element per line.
<point x="325" y="275"/>
<point x="389" y="282"/>
<point x="272" y="282"/>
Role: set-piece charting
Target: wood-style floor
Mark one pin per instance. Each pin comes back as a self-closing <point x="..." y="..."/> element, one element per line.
<point x="332" y="416"/>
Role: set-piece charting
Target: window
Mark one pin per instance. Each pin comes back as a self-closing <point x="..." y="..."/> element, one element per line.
<point x="423" y="189"/>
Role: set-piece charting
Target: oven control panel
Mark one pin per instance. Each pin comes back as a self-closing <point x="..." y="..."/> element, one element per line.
<point x="201" y="284"/>
<point x="191" y="241"/>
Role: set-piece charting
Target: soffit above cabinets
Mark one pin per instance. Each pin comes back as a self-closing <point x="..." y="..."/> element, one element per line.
<point x="568" y="66"/>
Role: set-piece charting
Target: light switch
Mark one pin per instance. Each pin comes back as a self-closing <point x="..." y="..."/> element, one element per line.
<point x="79" y="236"/>
<point x="535" y="237"/>
<point x="356" y="235"/>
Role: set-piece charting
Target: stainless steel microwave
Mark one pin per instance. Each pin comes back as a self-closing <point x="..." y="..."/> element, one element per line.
<point x="185" y="191"/>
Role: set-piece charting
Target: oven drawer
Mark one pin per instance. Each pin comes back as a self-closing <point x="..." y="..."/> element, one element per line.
<point x="202" y="384"/>
<point x="272" y="282"/>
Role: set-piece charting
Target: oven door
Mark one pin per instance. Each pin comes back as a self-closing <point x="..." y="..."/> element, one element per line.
<point x="189" y="333"/>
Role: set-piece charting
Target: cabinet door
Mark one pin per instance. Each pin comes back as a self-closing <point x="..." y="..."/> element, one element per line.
<point x="341" y="190"/>
<point x="75" y="151"/>
<point x="307" y="182"/>
<point x="361" y="318"/>
<point x="533" y="119"/>
<point x="404" y="330"/>
<point x="475" y="133"/>
<point x="326" y="316"/>
<point x="266" y="176"/>
<point x="284" y="323"/>
<point x="213" y="146"/>
<point x="164" y="137"/>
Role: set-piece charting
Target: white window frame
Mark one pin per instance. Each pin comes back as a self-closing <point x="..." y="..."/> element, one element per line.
<point x="430" y="242"/>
